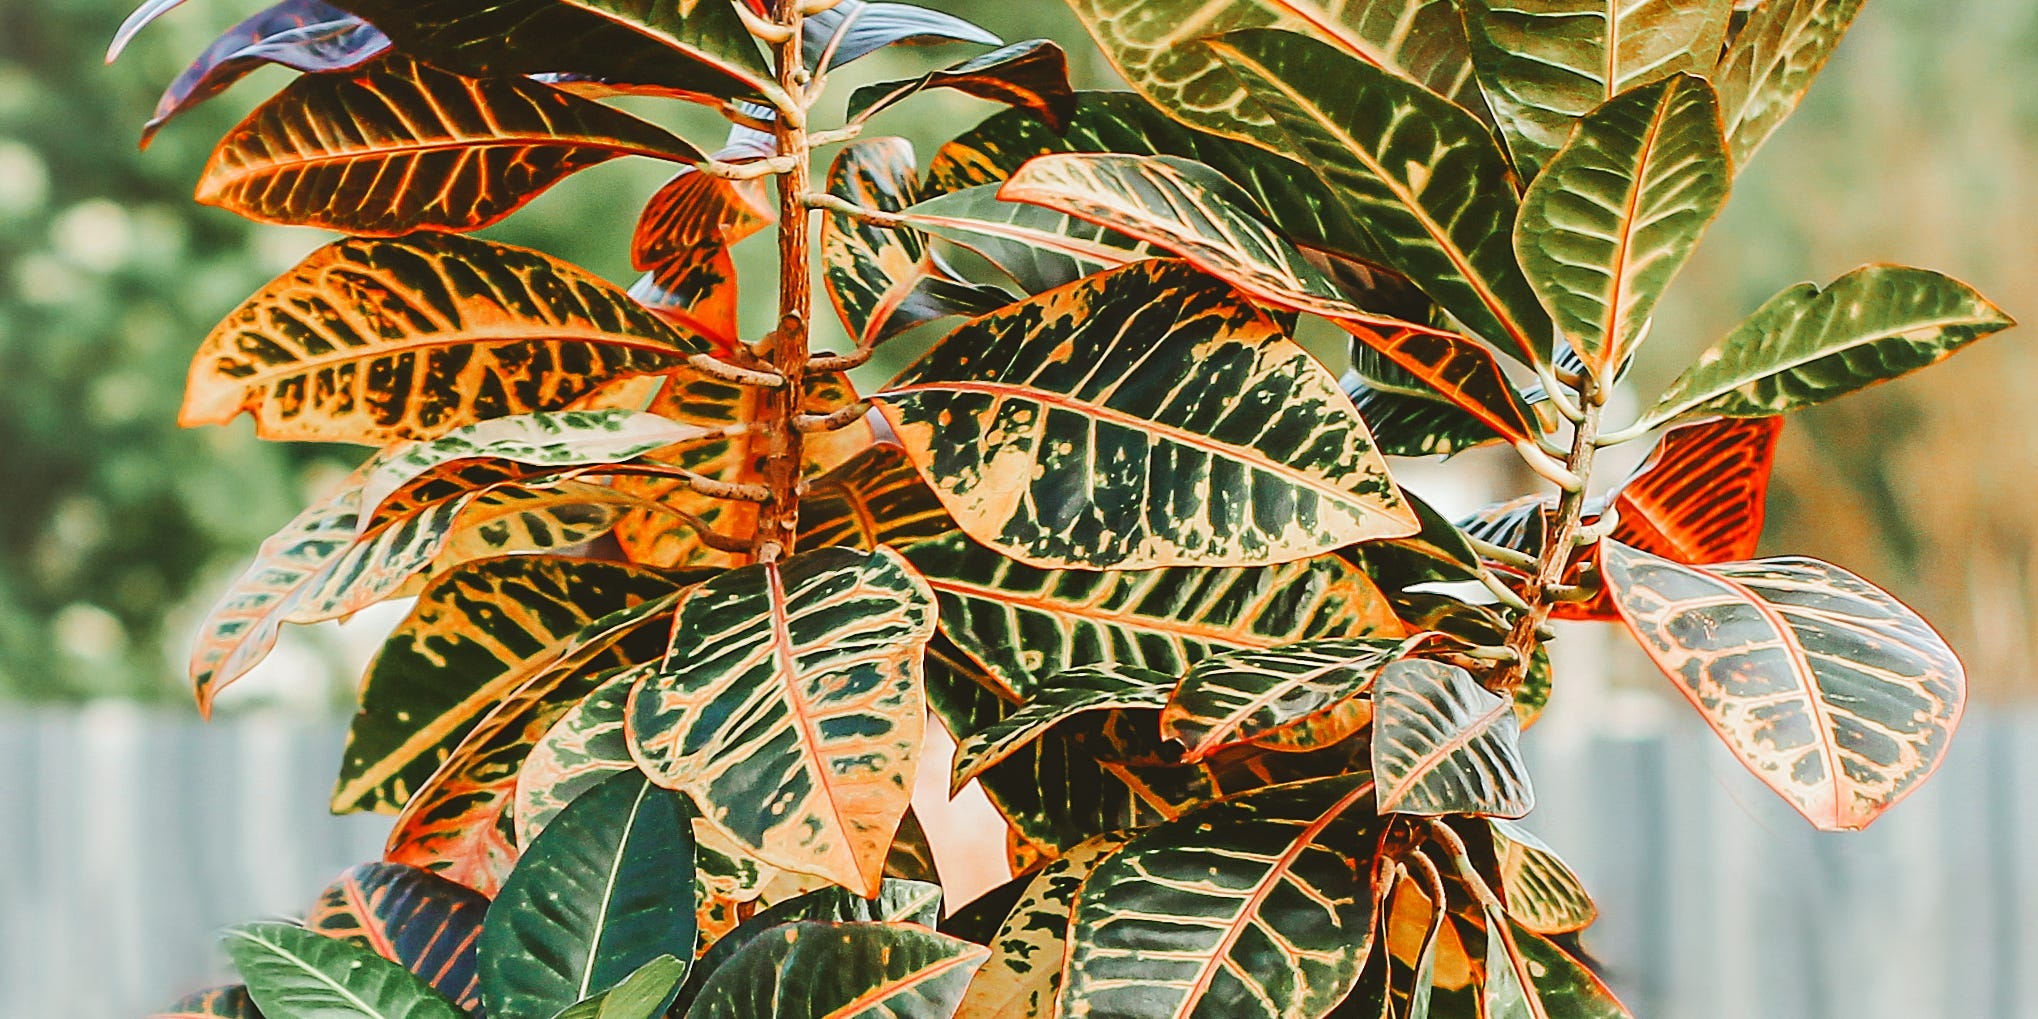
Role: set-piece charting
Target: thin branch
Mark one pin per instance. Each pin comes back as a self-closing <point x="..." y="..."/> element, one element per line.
<point x="1559" y="399"/>
<point x="835" y="421"/>
<point x="1502" y="554"/>
<point x="714" y="367"/>
<point x="844" y="133"/>
<point x="770" y="33"/>
<point x="713" y="488"/>
<point x="843" y="362"/>
<point x="1549" y="468"/>
<point x="1629" y="434"/>
<point x="768" y="166"/>
<point x="702" y="529"/>
<point x="1506" y="594"/>
<point x="734" y="112"/>
<point x="833" y="203"/>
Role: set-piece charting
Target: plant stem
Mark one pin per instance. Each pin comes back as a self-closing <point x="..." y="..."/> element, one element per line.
<point x="1556" y="555"/>
<point x="778" y="522"/>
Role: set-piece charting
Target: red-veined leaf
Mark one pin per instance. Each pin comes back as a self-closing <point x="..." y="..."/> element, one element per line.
<point x="304" y="35"/>
<point x="1033" y="75"/>
<point x="411" y="917"/>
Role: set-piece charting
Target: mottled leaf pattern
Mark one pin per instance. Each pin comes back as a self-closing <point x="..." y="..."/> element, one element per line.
<point x="877" y="274"/>
<point x="1424" y="176"/>
<point x="1023" y="973"/>
<point x="1541" y="891"/>
<point x="349" y="152"/>
<point x="1026" y="625"/>
<point x="1807" y="345"/>
<point x="795" y="687"/>
<point x="1442" y="744"/>
<point x="1771" y="63"/>
<point x="1050" y="428"/>
<point x="1091" y="688"/>
<point x="1618" y="212"/>
<point x="1033" y="75"/>
<point x="1545" y="63"/>
<point x="293" y="972"/>
<point x="1255" y="906"/>
<point x="897" y="902"/>
<point x="1830" y="691"/>
<point x="375" y="340"/>
<point x="411" y="917"/>
<point x="876" y="498"/>
<point x="582" y="749"/>
<point x="1238" y="696"/>
<point x="228" y="1002"/>
<point x="851" y="970"/>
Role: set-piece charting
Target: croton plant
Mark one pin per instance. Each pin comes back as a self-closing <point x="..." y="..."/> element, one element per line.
<point x="1250" y="710"/>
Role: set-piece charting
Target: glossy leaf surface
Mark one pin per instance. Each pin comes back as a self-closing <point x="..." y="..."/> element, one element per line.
<point x="1025" y="625"/>
<point x="876" y="498"/>
<point x="897" y="902"/>
<point x="485" y="145"/>
<point x="1771" y="63"/>
<point x="1619" y="211"/>
<point x="606" y="888"/>
<point x="304" y="35"/>
<point x="1056" y="415"/>
<point x="292" y="972"/>
<point x="813" y="970"/>
<point x="1543" y="64"/>
<point x="644" y="994"/>
<point x="1702" y="495"/>
<point x="798" y="687"/>
<point x="1238" y="696"/>
<point x="581" y="750"/>
<point x="1829" y="690"/>
<point x="1091" y="688"/>
<point x="1443" y="744"/>
<point x="1531" y="978"/>
<point x="877" y="275"/>
<point x="1023" y="973"/>
<point x="854" y="29"/>
<point x="1033" y="75"/>
<point x="1807" y="345"/>
<point x="1255" y="906"/>
<point x="1542" y="893"/>
<point x="413" y="918"/>
<point x="1423" y="175"/>
<point x="375" y="340"/>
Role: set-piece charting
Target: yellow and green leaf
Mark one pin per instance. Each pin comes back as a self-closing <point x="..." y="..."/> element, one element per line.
<point x="810" y="968"/>
<point x="1240" y="696"/>
<point x="1771" y="63"/>
<point x="1541" y="892"/>
<point x="874" y="498"/>
<point x="1443" y="744"/>
<point x="1023" y="974"/>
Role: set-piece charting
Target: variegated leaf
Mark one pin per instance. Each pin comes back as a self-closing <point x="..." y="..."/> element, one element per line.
<point x="375" y="340"/>
<point x="1771" y="63"/>
<point x="851" y="970"/>
<point x="304" y="35"/>
<point x="553" y="518"/>
<point x="1255" y="906"/>
<point x="1437" y="553"/>
<point x="795" y="686"/>
<point x="883" y="279"/>
<point x="1443" y="744"/>
<point x="1414" y="426"/>
<point x="329" y="150"/>
<point x="1091" y="688"/>
<point x="293" y="972"/>
<point x="414" y="918"/>
<point x="1189" y="209"/>
<point x="1025" y="625"/>
<point x="695" y="210"/>
<point x="1807" y="345"/>
<point x="853" y="29"/>
<point x="607" y="888"/>
<point x="1041" y="249"/>
<point x="897" y="902"/>
<point x="1023" y="974"/>
<point x="1033" y="75"/>
<point x="696" y="292"/>
<point x="1619" y="211"/>
<point x="1543" y="64"/>
<point x="1528" y="977"/>
<point x="474" y="636"/>
<point x="1043" y="427"/>
<point x="1542" y="893"/>
<point x="228" y="1002"/>
<point x="1829" y="690"/>
<point x="1153" y="43"/>
<point x="657" y="533"/>
<point x="1424" y="176"/>
<point x="1701" y="496"/>
<point x="1238" y="696"/>
<point x="875" y="498"/>
<point x="673" y="47"/>
<point x="584" y="747"/>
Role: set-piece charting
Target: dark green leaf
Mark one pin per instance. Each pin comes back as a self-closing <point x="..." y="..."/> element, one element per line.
<point x="295" y="974"/>
<point x="1091" y="688"/>
<point x="813" y="970"/>
<point x="1443" y="744"/>
<point x="1239" y="696"/>
<point x="1033" y="75"/>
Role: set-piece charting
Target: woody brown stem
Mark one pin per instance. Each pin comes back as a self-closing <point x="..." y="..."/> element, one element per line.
<point x="779" y="520"/>
<point x="1548" y="578"/>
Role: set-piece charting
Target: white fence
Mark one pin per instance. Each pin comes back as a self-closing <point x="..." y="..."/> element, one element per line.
<point x="127" y="838"/>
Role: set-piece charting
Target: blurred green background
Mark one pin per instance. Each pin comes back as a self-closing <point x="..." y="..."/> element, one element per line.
<point x="1920" y="145"/>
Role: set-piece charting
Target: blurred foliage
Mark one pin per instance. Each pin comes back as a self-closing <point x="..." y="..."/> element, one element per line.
<point x="117" y="528"/>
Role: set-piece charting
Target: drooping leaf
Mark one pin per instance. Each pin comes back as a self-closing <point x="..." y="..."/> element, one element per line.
<point x="795" y="686"/>
<point x="1238" y="696"/>
<point x="1439" y="552"/>
<point x="1153" y="43"/>
<point x="960" y="692"/>
<point x="1530" y="978"/>
<point x="693" y="50"/>
<point x="228" y="1002"/>
<point x="655" y="535"/>
<point x="1033" y="75"/>
<point x="697" y="293"/>
<point x="413" y="918"/>
<point x="644" y="994"/>
<point x="1189" y="209"/>
<point x="137" y="20"/>
<point x="1091" y="688"/>
<point x="1541" y="892"/>
<point x="1619" y="211"/>
<point x="295" y="974"/>
<point x="475" y="635"/>
<point x="1832" y="692"/>
<point x="883" y="280"/>
<point x="1404" y="425"/>
<point x="1771" y="63"/>
<point x="808" y="969"/>
<point x="606" y="888"/>
<point x="1255" y="906"/>
<point x="1040" y="425"/>
<point x="853" y="29"/>
<point x="1806" y="345"/>
<point x="897" y="902"/>
<point x="1023" y="973"/>
<point x="371" y="341"/>
<point x="1424" y="176"/>
<point x="1039" y="248"/>
<point x="400" y="145"/>
<point x="1544" y="64"/>
<point x="1025" y="625"/>
<point x="875" y="498"/>
<point x="1443" y="744"/>
<point x="304" y="35"/>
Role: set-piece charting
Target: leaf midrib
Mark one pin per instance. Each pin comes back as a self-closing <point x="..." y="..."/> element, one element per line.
<point x="305" y="966"/>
